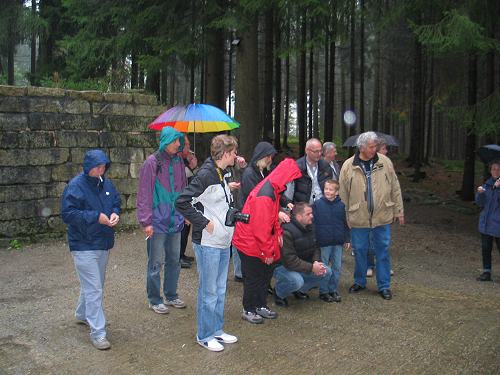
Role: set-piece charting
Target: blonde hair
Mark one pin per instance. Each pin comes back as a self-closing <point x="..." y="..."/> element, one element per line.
<point x="263" y="164"/>
<point x="221" y="144"/>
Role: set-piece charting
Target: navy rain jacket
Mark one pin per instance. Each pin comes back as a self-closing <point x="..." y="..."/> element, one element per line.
<point x="83" y="201"/>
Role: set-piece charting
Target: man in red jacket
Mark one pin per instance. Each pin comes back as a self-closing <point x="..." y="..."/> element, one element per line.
<point x="259" y="241"/>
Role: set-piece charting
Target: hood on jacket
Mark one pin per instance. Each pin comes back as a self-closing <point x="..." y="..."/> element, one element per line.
<point x="93" y="158"/>
<point x="168" y="135"/>
<point x="285" y="172"/>
<point x="262" y="150"/>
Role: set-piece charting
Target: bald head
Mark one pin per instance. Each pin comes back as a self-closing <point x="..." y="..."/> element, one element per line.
<point x="313" y="150"/>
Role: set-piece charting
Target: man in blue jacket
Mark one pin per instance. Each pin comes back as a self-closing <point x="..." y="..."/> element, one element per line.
<point x="91" y="207"/>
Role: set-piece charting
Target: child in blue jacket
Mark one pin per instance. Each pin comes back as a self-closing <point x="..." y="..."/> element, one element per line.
<point x="488" y="197"/>
<point x="332" y="233"/>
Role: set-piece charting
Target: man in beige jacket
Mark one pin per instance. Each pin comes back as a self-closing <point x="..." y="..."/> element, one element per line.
<point x="371" y="193"/>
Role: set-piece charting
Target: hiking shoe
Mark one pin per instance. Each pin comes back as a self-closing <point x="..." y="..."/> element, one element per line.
<point x="386" y="294"/>
<point x="300" y="295"/>
<point x="187" y="258"/>
<point x="185" y="264"/>
<point x="369" y="272"/>
<point x="177" y="303"/>
<point x="101" y="343"/>
<point x="326" y="297"/>
<point x="82" y="322"/>
<point x="283" y="302"/>
<point x="226" y="338"/>
<point x="392" y="272"/>
<point x="213" y="345"/>
<point x="485" y="276"/>
<point x="159" y="309"/>
<point x="252" y="317"/>
<point x="336" y="297"/>
<point x="355" y="288"/>
<point x="266" y="312"/>
<point x="238" y="279"/>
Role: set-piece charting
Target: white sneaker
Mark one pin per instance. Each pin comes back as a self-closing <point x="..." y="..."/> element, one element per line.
<point x="213" y="345"/>
<point x="159" y="309"/>
<point x="101" y="343"/>
<point x="177" y="303"/>
<point x="369" y="272"/>
<point x="226" y="338"/>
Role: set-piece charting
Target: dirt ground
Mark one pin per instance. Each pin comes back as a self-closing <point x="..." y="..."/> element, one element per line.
<point x="440" y="321"/>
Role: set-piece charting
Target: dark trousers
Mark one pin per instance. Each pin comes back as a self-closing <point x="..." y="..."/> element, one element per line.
<point x="256" y="278"/>
<point x="184" y="238"/>
<point x="487" y="247"/>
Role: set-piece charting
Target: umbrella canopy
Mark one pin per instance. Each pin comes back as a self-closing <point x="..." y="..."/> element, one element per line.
<point x="195" y="118"/>
<point x="488" y="153"/>
<point x="389" y="139"/>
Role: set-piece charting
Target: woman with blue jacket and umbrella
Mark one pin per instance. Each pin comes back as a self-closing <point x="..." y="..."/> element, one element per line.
<point x="90" y="207"/>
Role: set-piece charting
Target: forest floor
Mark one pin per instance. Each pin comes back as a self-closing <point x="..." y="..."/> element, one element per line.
<point x="440" y="321"/>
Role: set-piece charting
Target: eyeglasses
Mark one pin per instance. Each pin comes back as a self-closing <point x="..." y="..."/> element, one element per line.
<point x="314" y="151"/>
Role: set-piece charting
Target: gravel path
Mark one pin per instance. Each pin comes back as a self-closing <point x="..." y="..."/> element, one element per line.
<point x="441" y="321"/>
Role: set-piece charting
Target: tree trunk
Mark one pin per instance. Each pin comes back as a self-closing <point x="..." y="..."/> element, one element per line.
<point x="430" y="112"/>
<point x="362" y="68"/>
<point x="343" y="98"/>
<point x="164" y="85"/>
<point x="470" y="140"/>
<point x="134" y="72"/>
<point x="377" y="68"/>
<point x="301" y="88"/>
<point x="172" y="99"/>
<point x="352" y="99"/>
<point x="215" y="70"/>
<point x="33" y="79"/>
<point x="247" y="89"/>
<point x="286" y="127"/>
<point x="153" y="83"/>
<point x="315" y="98"/>
<point x="268" y="73"/>
<point x="417" y="123"/>
<point x="10" y="62"/>
<point x="277" y="84"/>
<point x="310" y="102"/>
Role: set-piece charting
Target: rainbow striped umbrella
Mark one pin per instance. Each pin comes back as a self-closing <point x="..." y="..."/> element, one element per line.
<point x="195" y="118"/>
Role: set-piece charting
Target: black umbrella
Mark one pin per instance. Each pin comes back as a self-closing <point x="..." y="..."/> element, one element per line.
<point x="487" y="153"/>
<point x="389" y="139"/>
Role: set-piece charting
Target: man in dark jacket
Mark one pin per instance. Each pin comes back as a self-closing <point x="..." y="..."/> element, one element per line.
<point x="301" y="267"/>
<point x="315" y="171"/>
<point x="90" y="206"/>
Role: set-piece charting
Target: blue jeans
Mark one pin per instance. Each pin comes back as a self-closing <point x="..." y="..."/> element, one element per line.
<point x="332" y="254"/>
<point x="371" y="254"/>
<point x="91" y="269"/>
<point x="380" y="238"/>
<point x="288" y="281"/>
<point x="212" y="265"/>
<point x="236" y="263"/>
<point x="163" y="248"/>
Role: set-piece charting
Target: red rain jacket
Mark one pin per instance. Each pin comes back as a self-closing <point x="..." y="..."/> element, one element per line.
<point x="260" y="237"/>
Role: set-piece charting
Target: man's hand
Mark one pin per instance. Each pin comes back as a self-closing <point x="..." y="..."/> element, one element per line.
<point x="104" y="220"/>
<point x="241" y="162"/>
<point x="283" y="217"/>
<point x="401" y="219"/>
<point x="269" y="260"/>
<point x="210" y="227"/>
<point x="114" y="219"/>
<point x="347" y="245"/>
<point x="234" y="185"/>
<point x="148" y="231"/>
<point x="280" y="241"/>
<point x="290" y="206"/>
<point x="319" y="268"/>
<point x="192" y="162"/>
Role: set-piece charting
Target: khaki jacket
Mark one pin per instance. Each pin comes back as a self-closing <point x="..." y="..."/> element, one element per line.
<point x="387" y="200"/>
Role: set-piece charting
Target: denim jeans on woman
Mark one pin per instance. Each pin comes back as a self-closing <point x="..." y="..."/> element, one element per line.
<point x="381" y="238"/>
<point x="332" y="254"/>
<point x="212" y="264"/>
<point x="163" y="248"/>
<point x="91" y="269"/>
<point x="288" y="281"/>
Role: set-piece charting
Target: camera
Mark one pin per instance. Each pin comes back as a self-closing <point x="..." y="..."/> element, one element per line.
<point x="233" y="215"/>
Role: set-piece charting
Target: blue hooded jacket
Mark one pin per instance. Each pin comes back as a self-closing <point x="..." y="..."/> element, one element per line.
<point x="330" y="222"/>
<point x="84" y="199"/>
<point x="489" y="200"/>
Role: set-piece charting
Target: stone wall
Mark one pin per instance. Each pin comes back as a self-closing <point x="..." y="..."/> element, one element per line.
<point x="44" y="134"/>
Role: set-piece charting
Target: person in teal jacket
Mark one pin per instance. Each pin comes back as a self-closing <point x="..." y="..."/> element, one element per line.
<point x="161" y="179"/>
